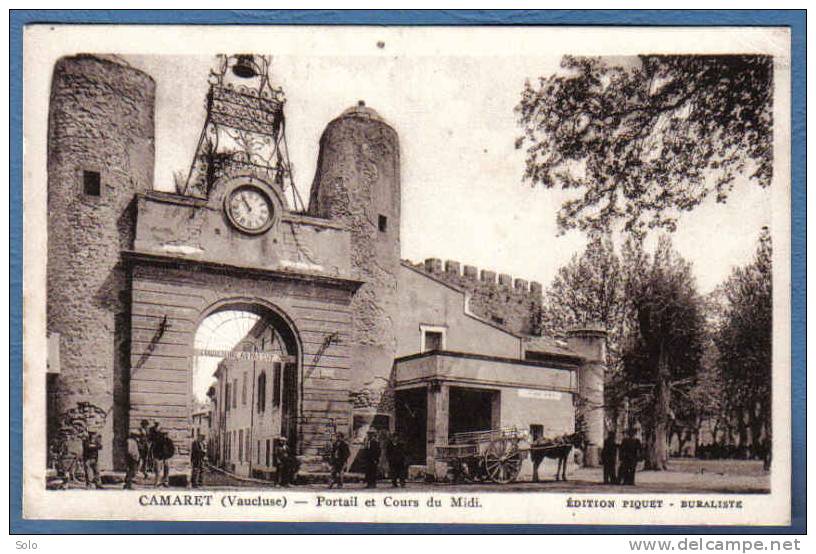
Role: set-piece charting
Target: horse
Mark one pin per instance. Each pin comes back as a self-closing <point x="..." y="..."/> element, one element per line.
<point x="558" y="448"/>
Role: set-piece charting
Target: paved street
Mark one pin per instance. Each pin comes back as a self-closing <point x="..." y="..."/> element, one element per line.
<point x="684" y="476"/>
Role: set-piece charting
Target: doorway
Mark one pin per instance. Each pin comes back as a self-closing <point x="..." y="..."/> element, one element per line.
<point x="411" y="412"/>
<point x="245" y="372"/>
<point x="472" y="410"/>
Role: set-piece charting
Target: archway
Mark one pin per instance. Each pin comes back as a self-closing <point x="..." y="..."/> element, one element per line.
<point x="246" y="369"/>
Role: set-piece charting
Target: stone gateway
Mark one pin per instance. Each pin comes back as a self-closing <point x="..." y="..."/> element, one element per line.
<point x="339" y="333"/>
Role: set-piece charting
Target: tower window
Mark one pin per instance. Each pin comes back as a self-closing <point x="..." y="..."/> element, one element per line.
<point x="91" y="183"/>
<point x="382" y="223"/>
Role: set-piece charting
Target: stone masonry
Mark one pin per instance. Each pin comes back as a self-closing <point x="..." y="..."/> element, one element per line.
<point x="513" y="304"/>
<point x="100" y="124"/>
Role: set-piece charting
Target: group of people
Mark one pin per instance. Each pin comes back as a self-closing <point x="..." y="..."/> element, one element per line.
<point x="149" y="449"/>
<point x="370" y="455"/>
<point x="620" y="461"/>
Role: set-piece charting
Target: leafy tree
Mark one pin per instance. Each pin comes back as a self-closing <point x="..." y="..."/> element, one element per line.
<point x="699" y="399"/>
<point x="744" y="341"/>
<point x="642" y="139"/>
<point x="589" y="290"/>
<point x="664" y="349"/>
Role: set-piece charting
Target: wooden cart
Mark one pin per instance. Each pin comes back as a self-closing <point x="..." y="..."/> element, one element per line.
<point x="493" y="455"/>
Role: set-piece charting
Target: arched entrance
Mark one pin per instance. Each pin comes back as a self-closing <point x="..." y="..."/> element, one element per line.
<point x="246" y="369"/>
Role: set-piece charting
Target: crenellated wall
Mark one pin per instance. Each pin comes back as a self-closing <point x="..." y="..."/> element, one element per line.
<point x="514" y="304"/>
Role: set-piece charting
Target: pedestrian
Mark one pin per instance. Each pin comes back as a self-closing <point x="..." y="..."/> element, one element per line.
<point x="609" y="458"/>
<point x="338" y="459"/>
<point x="371" y="459"/>
<point x="133" y="459"/>
<point x="283" y="462"/>
<point x="197" y="456"/>
<point x="162" y="449"/>
<point x="90" y="458"/>
<point x="145" y="460"/>
<point x="397" y="465"/>
<point x="629" y="453"/>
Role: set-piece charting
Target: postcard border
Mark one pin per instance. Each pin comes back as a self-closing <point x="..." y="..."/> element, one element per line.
<point x="795" y="20"/>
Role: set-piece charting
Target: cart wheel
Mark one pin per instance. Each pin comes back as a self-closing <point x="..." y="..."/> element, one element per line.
<point x="502" y="461"/>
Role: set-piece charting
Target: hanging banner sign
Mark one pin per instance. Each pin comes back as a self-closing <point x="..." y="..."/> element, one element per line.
<point x="244" y="355"/>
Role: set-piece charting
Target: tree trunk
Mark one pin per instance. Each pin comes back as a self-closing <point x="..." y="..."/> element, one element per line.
<point x="755" y="422"/>
<point x="768" y="435"/>
<point x="742" y="430"/>
<point x="657" y="457"/>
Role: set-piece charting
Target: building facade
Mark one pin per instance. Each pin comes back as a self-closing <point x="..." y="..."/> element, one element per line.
<point x="347" y="336"/>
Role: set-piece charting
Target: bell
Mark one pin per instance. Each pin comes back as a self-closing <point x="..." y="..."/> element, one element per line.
<point x="244" y="66"/>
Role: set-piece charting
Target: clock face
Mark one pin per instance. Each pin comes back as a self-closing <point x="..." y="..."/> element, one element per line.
<point x="250" y="209"/>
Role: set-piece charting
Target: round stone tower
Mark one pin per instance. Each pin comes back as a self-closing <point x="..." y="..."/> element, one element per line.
<point x="590" y="343"/>
<point x="357" y="182"/>
<point x="100" y="153"/>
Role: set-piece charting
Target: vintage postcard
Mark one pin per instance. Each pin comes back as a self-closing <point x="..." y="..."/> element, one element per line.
<point x="389" y="274"/>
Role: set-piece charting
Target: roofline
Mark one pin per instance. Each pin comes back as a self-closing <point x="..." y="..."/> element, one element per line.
<point x="466" y="295"/>
<point x="432" y="277"/>
<point x="288" y="216"/>
<point x="555" y="364"/>
<point x="151" y="258"/>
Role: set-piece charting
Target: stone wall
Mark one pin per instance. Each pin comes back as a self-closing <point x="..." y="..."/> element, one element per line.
<point x="357" y="183"/>
<point x="171" y="299"/>
<point x="514" y="304"/>
<point x="425" y="301"/>
<point x="101" y="121"/>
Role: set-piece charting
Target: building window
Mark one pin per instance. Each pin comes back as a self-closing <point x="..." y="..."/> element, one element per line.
<point x="235" y="393"/>
<point x="433" y="338"/>
<point x="267" y="452"/>
<point x="91" y="183"/>
<point x="536" y="431"/>
<point x="227" y="397"/>
<point x="382" y="223"/>
<point x="276" y="389"/>
<point x="259" y="452"/>
<point x="240" y="446"/>
<point x="243" y="389"/>
<point x="261" y="392"/>
<point x="248" y="447"/>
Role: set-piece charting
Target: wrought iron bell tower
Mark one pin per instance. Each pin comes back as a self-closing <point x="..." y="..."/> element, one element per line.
<point x="244" y="130"/>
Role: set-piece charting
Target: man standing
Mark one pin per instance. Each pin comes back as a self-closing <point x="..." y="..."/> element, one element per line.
<point x="397" y="461"/>
<point x="144" y="447"/>
<point x="609" y="458"/>
<point x="629" y="457"/>
<point x="339" y="457"/>
<point x="163" y="449"/>
<point x="197" y="455"/>
<point x="283" y="462"/>
<point x="371" y="458"/>
<point x="134" y="456"/>
<point x="90" y="457"/>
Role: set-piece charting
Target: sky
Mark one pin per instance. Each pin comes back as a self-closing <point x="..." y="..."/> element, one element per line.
<point x="463" y="194"/>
